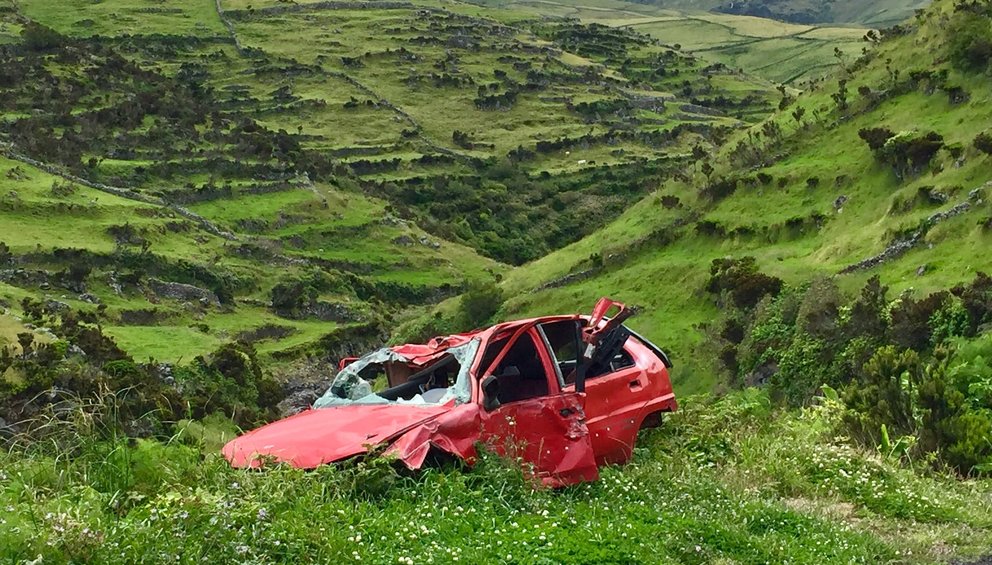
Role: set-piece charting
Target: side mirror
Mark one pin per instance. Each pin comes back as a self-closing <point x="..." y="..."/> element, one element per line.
<point x="490" y="393"/>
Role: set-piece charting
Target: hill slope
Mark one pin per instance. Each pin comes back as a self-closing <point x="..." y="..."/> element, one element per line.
<point x="782" y="52"/>
<point x="806" y="196"/>
<point x="204" y="176"/>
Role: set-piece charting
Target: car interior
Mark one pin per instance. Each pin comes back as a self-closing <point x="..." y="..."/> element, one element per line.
<point x="521" y="374"/>
<point x="565" y="342"/>
<point x="431" y="382"/>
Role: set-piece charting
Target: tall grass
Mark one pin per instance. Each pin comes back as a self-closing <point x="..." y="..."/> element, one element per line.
<point x="729" y="480"/>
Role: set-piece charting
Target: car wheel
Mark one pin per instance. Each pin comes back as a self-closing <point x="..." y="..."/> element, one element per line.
<point x="652" y="420"/>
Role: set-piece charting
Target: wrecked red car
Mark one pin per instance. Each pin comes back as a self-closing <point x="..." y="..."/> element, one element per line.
<point x="563" y="393"/>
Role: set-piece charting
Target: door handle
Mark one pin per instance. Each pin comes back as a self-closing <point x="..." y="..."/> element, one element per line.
<point x="636" y="383"/>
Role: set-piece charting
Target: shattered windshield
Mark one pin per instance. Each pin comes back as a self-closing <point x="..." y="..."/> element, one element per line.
<point x="386" y="377"/>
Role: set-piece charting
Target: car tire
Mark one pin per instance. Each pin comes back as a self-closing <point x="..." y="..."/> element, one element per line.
<point x="652" y="420"/>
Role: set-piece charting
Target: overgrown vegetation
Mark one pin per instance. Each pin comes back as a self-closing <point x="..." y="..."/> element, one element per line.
<point x="731" y="479"/>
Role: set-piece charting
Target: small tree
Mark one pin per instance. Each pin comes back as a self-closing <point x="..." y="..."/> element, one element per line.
<point x="875" y="137"/>
<point x="840" y="97"/>
<point x="25" y="339"/>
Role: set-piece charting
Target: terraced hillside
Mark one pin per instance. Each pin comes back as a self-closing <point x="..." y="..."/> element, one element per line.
<point x="881" y="171"/>
<point x="877" y="13"/>
<point x="198" y="173"/>
<point x="781" y="52"/>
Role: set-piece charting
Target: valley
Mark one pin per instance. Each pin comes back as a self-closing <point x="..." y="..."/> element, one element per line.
<point x="206" y="204"/>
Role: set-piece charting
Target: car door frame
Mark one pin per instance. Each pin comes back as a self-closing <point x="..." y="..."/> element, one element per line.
<point x="613" y="422"/>
<point x="547" y="432"/>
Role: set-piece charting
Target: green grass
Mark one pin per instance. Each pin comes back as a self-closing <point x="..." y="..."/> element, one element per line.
<point x="730" y="481"/>
<point x="164" y="344"/>
<point x="179" y="17"/>
<point x="777" y="51"/>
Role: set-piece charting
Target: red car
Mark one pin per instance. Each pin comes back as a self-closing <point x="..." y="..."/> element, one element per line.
<point x="564" y="393"/>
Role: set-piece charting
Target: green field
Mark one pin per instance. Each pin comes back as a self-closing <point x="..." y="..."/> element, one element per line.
<point x="777" y="51"/>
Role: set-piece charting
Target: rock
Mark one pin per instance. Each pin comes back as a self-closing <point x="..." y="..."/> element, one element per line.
<point x="840" y="201"/>
<point x="428" y="242"/>
<point x="404" y="240"/>
<point x="183" y="292"/>
<point x="89" y="298"/>
<point x="56" y="305"/>
<point x="922" y="270"/>
<point x="761" y="374"/>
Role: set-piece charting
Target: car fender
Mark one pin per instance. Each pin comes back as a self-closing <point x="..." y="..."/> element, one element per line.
<point x="455" y="432"/>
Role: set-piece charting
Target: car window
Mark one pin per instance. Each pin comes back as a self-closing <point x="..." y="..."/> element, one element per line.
<point x="521" y="373"/>
<point x="564" y="342"/>
<point x="620" y="361"/>
<point x="562" y="336"/>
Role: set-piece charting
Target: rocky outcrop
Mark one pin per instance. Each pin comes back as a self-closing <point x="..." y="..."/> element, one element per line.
<point x="183" y="292"/>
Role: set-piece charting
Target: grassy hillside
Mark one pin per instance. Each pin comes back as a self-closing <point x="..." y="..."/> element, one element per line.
<point x="807" y="198"/>
<point x="778" y="51"/>
<point x="204" y="176"/>
<point x="175" y="178"/>
<point x="877" y="13"/>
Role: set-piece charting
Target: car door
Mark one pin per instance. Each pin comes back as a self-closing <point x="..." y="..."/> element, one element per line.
<point x="535" y="421"/>
<point x="617" y="393"/>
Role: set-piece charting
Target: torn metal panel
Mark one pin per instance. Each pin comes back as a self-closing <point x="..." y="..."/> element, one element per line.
<point x="455" y="433"/>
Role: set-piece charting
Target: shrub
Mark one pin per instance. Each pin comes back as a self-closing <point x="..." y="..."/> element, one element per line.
<point x="38" y="37"/>
<point x="819" y="311"/>
<point x="983" y="142"/>
<point x="480" y="302"/>
<point x="229" y="381"/>
<point x="955" y="399"/>
<point x="875" y="137"/>
<point x="742" y="281"/>
<point x="882" y="395"/>
<point x="911" y="320"/>
<point x="970" y="42"/>
<point x="719" y="189"/>
<point x="867" y="317"/>
<point x="803" y="368"/>
<point x="976" y="299"/>
<point x="909" y="152"/>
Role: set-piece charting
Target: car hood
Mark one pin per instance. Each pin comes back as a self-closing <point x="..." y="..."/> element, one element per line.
<point x="317" y="436"/>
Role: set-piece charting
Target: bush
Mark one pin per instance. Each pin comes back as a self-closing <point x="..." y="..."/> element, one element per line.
<point x="803" y="368"/>
<point x="909" y="152"/>
<point x="911" y="320"/>
<point x="742" y="281"/>
<point x="480" y="302"/>
<point x="719" y="189"/>
<point x="976" y="299"/>
<point x="983" y="142"/>
<point x="882" y="395"/>
<point x="229" y="381"/>
<point x="955" y="403"/>
<point x="875" y="137"/>
<point x="38" y="37"/>
<point x="970" y="42"/>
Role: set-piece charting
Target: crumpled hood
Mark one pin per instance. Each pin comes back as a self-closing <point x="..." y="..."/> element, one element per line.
<point x="317" y="436"/>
